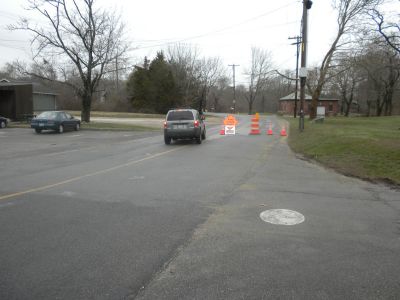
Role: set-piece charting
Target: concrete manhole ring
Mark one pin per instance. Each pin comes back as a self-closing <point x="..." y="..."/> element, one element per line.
<point x="282" y="217"/>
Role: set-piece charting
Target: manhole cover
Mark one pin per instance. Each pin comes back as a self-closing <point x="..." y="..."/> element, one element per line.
<point x="282" y="217"/>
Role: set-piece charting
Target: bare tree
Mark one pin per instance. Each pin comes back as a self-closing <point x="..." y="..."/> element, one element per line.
<point x="195" y="75"/>
<point x="219" y="93"/>
<point x="313" y="75"/>
<point x="382" y="65"/>
<point x="389" y="30"/>
<point x="349" y="12"/>
<point x="348" y="81"/>
<point x="183" y="59"/>
<point x="261" y="68"/>
<point x="209" y="71"/>
<point x="82" y="39"/>
<point x="10" y="70"/>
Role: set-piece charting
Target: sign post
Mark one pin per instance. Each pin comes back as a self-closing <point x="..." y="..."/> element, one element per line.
<point x="230" y="125"/>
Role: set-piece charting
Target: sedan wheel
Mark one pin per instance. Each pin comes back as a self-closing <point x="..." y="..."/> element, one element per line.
<point x="77" y="127"/>
<point x="60" y="129"/>
<point x="38" y="130"/>
<point x="3" y="124"/>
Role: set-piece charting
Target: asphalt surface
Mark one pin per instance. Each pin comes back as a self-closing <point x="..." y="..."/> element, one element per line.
<point x="120" y="215"/>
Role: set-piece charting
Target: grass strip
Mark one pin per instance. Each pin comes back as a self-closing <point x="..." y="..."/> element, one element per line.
<point x="117" y="127"/>
<point x="367" y="148"/>
<point x="106" y="114"/>
<point x="98" y="126"/>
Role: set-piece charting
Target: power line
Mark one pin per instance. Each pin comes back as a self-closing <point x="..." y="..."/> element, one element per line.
<point x="173" y="40"/>
<point x="14" y="47"/>
<point x="12" y="41"/>
<point x="217" y="30"/>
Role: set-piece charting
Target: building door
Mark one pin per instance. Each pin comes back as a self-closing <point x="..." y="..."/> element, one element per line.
<point x="7" y="104"/>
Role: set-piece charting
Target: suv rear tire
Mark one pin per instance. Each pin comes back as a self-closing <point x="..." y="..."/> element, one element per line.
<point x="167" y="140"/>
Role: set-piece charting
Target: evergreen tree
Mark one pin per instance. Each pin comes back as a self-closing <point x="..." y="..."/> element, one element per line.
<point x="153" y="88"/>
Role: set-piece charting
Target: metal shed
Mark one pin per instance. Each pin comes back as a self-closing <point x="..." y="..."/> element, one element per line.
<point x="16" y="99"/>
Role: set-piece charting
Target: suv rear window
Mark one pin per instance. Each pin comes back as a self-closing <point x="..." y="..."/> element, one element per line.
<point x="180" y="115"/>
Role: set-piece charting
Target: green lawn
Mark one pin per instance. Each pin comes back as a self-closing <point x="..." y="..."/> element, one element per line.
<point x="98" y="126"/>
<point x="106" y="114"/>
<point x="117" y="126"/>
<point x="368" y="148"/>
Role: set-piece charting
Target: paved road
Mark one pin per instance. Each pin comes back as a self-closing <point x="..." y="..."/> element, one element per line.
<point x="116" y="215"/>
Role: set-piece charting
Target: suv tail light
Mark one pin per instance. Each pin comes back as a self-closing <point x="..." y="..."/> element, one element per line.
<point x="196" y="123"/>
<point x="165" y="124"/>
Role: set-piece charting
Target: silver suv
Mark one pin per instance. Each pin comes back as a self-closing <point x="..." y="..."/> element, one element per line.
<point x="184" y="124"/>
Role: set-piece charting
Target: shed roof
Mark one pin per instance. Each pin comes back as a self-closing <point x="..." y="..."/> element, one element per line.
<point x="8" y="84"/>
<point x="291" y="97"/>
<point x="36" y="87"/>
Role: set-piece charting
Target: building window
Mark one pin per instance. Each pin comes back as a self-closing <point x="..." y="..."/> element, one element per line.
<point x="330" y="108"/>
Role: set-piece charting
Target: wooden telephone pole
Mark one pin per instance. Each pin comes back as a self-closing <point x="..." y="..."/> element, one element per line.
<point x="234" y="87"/>
<point x="297" y="43"/>
<point x="303" y="71"/>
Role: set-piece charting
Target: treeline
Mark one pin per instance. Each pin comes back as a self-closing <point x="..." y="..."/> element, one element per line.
<point x="94" y="71"/>
<point x="366" y="79"/>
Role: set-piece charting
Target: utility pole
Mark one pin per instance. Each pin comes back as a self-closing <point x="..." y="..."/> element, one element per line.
<point x="297" y="43"/>
<point x="303" y="71"/>
<point x="234" y="87"/>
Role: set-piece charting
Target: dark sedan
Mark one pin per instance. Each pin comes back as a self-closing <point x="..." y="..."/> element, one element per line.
<point x="55" y="120"/>
<point x="3" y="122"/>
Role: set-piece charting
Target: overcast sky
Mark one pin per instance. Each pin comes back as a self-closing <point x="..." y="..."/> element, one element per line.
<point x="219" y="28"/>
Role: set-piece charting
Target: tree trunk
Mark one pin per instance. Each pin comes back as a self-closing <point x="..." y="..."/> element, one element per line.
<point x="314" y="102"/>
<point x="216" y="103"/>
<point x="344" y="102"/>
<point x="388" y="102"/>
<point x="348" y="106"/>
<point x="350" y="101"/>
<point x="263" y="104"/>
<point x="386" y="106"/>
<point x="342" y="107"/>
<point x="86" y="107"/>
<point x="379" y="107"/>
<point x="202" y="102"/>
<point x="250" y="107"/>
<point x="368" y="108"/>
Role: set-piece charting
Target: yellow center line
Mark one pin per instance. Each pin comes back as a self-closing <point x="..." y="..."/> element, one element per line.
<point x="49" y="186"/>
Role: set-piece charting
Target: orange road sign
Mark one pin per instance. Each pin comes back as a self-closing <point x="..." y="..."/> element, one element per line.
<point x="230" y="120"/>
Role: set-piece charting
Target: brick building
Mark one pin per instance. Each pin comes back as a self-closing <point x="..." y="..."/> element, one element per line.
<point x="286" y="104"/>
